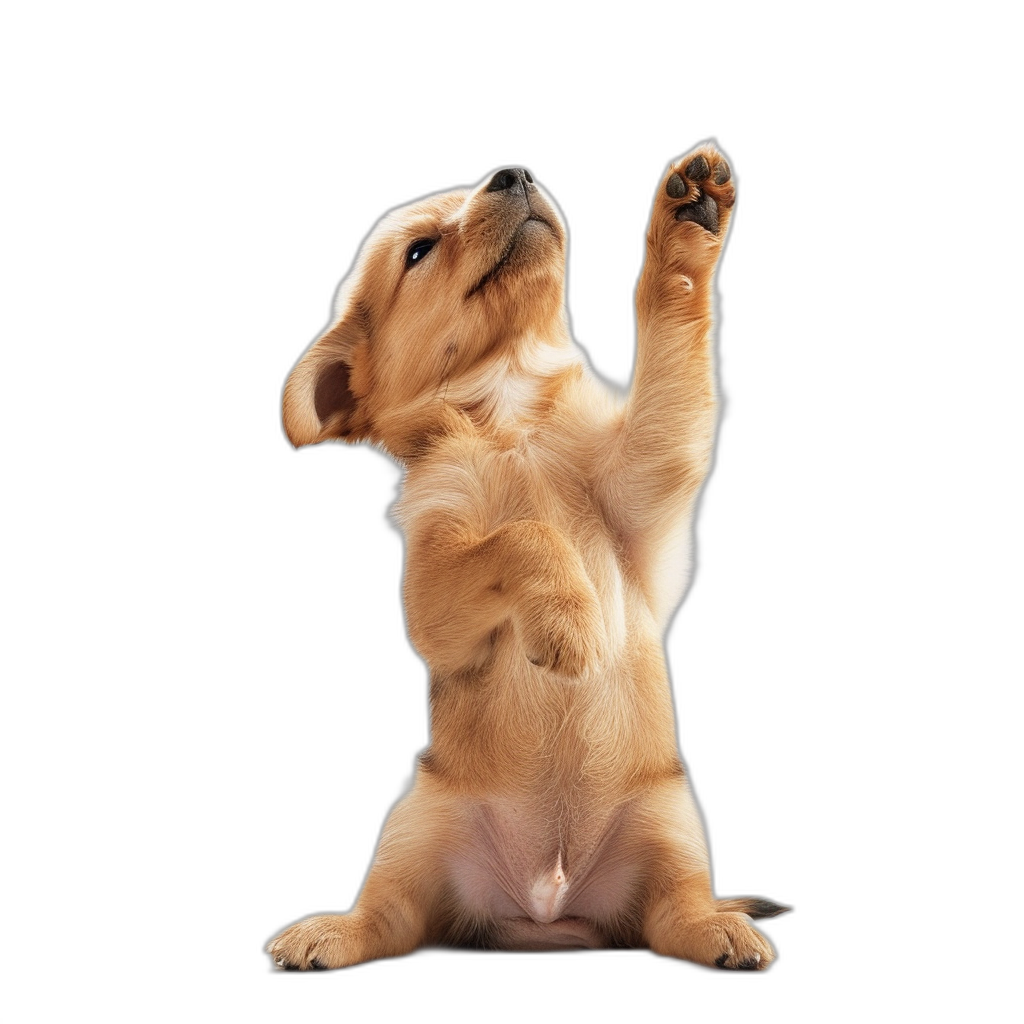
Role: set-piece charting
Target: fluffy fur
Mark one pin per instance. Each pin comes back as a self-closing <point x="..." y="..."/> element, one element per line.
<point x="547" y="526"/>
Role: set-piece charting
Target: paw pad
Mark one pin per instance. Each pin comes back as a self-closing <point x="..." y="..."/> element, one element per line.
<point x="699" y="206"/>
<point x="676" y="187"/>
<point x="703" y="212"/>
<point x="697" y="169"/>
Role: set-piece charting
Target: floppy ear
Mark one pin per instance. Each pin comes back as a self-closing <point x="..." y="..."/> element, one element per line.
<point x="318" y="399"/>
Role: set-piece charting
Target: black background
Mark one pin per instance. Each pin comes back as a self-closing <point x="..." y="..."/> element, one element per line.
<point x="338" y="707"/>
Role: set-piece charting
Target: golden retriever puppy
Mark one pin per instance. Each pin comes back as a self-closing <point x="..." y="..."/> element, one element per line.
<point x="547" y="525"/>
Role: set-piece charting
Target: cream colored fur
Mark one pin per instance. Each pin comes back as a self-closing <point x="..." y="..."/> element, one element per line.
<point x="547" y="526"/>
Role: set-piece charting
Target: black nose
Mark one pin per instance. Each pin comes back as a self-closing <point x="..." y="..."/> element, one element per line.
<point x="509" y="178"/>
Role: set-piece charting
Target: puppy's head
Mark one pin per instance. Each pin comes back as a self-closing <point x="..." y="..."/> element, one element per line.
<point x="438" y="287"/>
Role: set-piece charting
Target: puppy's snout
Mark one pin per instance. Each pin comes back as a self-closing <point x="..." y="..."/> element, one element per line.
<point x="510" y="178"/>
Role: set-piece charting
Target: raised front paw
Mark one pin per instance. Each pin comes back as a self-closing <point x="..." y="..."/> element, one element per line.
<point x="699" y="188"/>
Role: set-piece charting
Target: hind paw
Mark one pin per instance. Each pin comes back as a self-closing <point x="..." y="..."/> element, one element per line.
<point x="726" y="940"/>
<point x="315" y="944"/>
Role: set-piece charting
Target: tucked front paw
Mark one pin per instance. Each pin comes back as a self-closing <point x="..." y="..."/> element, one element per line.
<point x="699" y="189"/>
<point x="564" y="632"/>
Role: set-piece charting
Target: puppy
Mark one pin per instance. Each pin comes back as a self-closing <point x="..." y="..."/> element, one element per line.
<point x="547" y="525"/>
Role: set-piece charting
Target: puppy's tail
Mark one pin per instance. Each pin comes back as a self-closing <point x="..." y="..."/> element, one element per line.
<point x="753" y="906"/>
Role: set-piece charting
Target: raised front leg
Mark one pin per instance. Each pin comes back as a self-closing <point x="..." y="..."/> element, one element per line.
<point x="671" y="405"/>
<point x="664" y="446"/>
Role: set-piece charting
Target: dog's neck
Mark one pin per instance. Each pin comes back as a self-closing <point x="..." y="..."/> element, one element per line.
<point x="508" y="391"/>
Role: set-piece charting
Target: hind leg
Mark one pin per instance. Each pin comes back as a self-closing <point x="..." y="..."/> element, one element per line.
<point x="686" y="925"/>
<point x="682" y="917"/>
<point x="327" y="941"/>
<point x="398" y="908"/>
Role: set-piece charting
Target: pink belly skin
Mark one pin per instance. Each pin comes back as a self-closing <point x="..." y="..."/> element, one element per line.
<point x="532" y="881"/>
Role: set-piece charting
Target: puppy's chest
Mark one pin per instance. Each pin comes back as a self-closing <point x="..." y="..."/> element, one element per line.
<point x="560" y="492"/>
<point x="553" y="491"/>
<point x="509" y="474"/>
<point x="527" y="466"/>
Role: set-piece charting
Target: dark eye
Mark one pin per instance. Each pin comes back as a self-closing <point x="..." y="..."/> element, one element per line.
<point x="418" y="250"/>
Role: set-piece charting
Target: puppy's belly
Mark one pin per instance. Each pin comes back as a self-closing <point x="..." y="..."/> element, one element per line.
<point x="565" y="933"/>
<point x="535" y="882"/>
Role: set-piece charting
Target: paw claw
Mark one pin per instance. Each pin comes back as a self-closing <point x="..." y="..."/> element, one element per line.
<point x="748" y="963"/>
